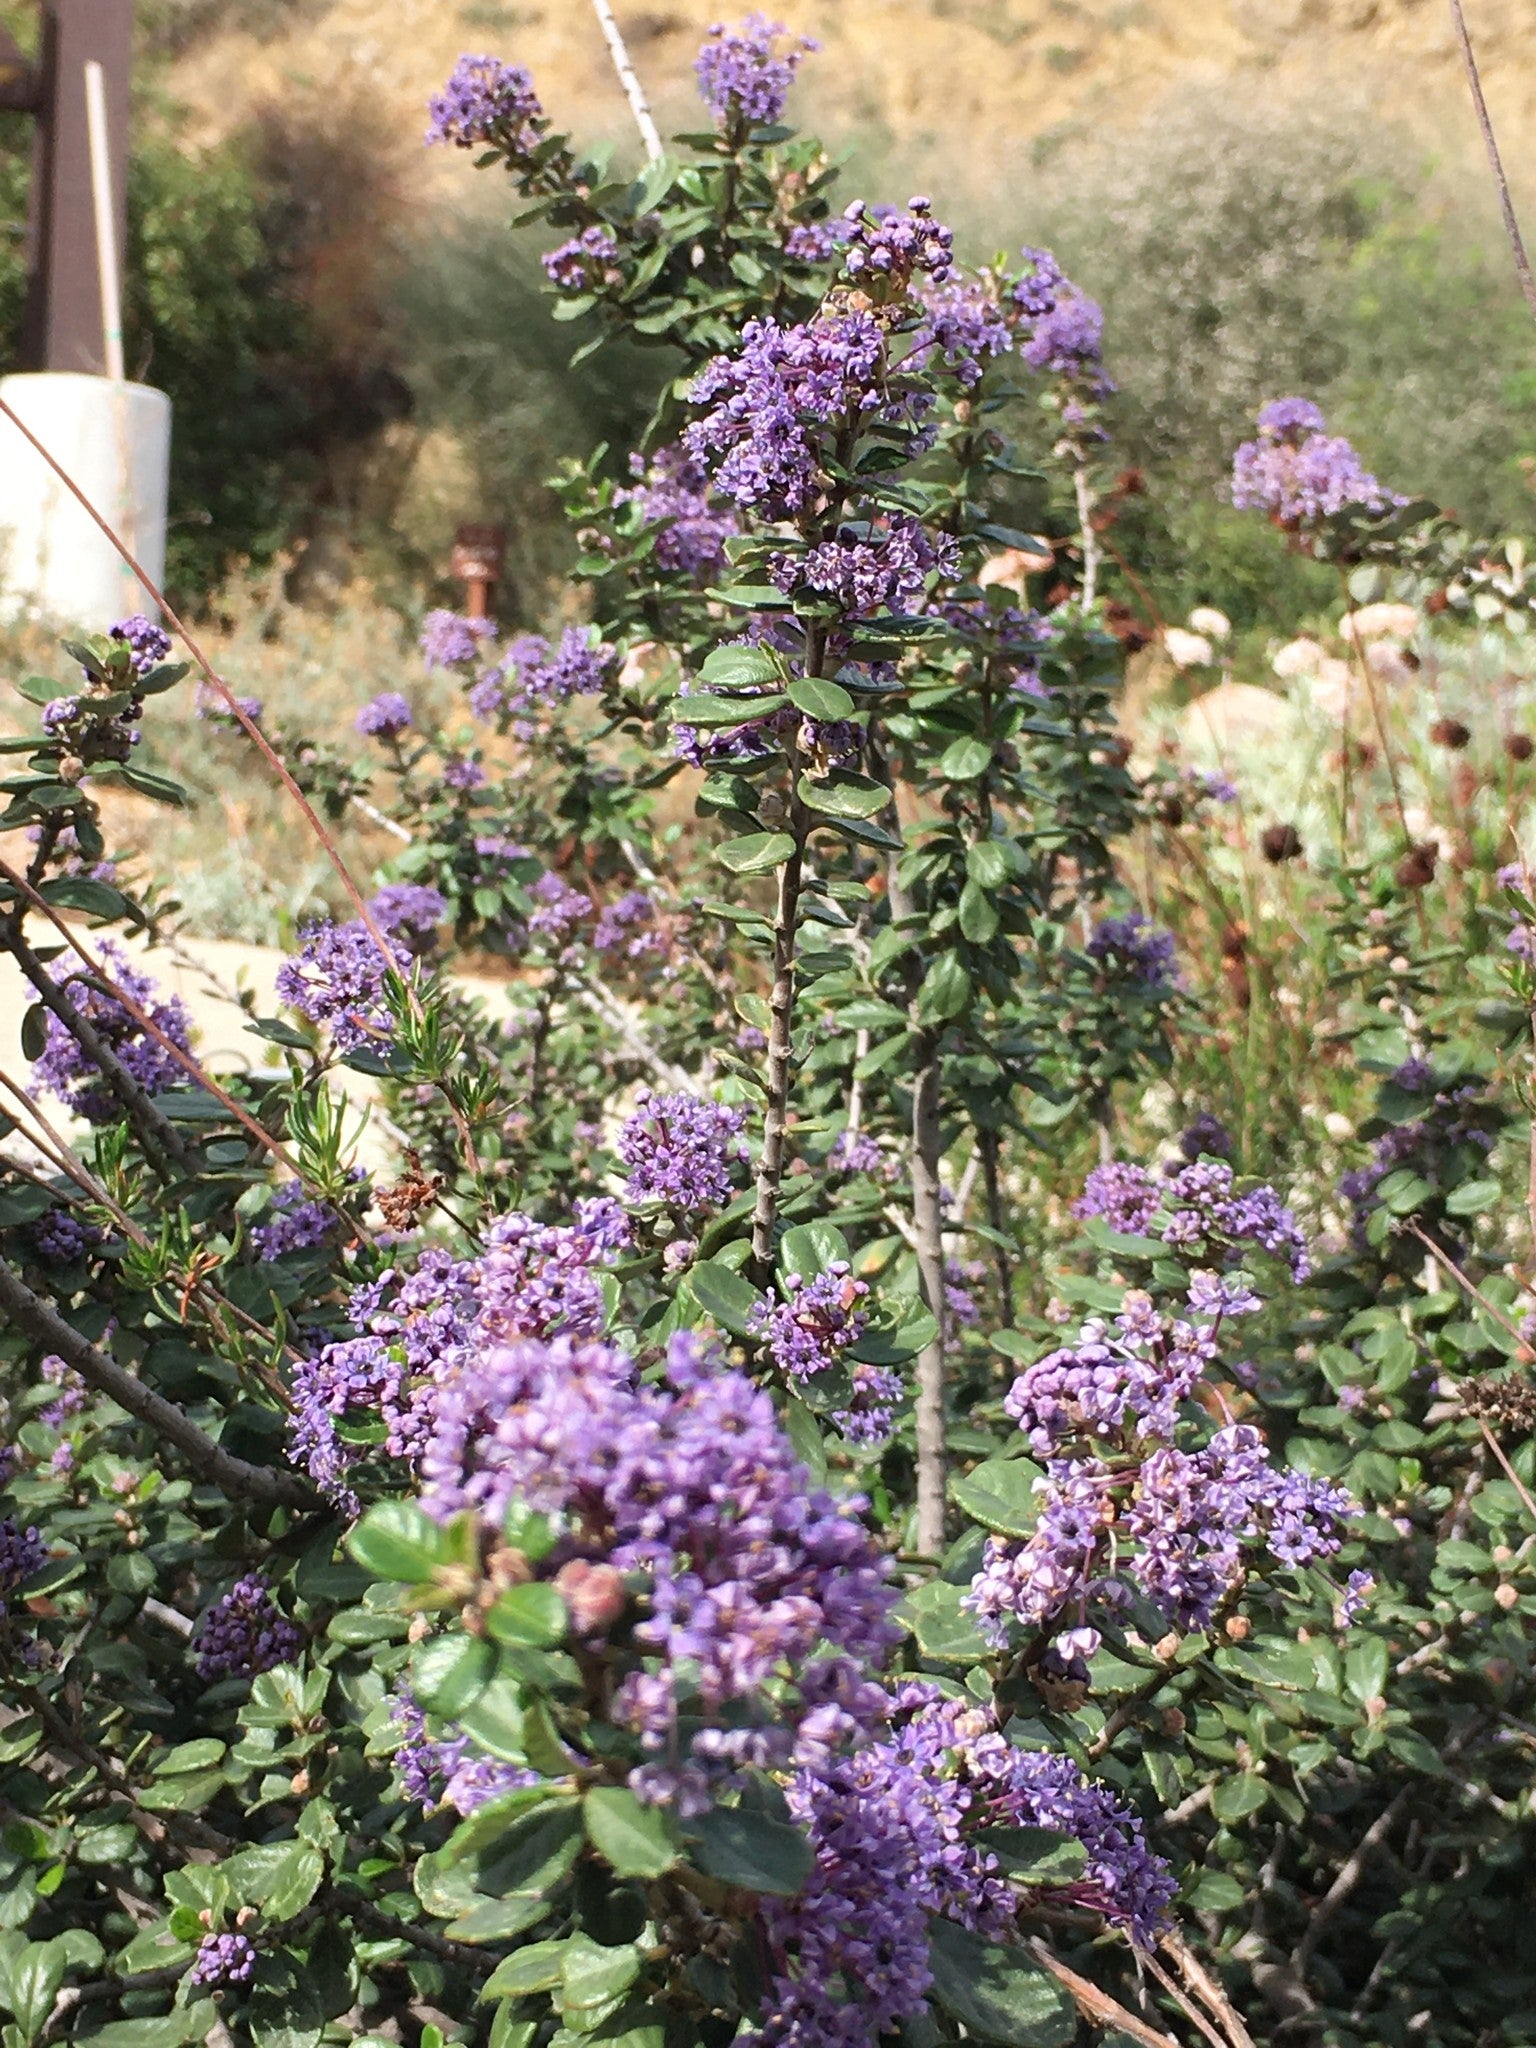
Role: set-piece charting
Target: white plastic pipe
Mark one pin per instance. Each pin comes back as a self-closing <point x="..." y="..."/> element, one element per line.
<point x="106" y="226"/>
<point x="114" y="439"/>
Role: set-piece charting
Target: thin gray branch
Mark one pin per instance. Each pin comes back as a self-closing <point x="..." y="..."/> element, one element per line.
<point x="218" y="1467"/>
<point x="1495" y="160"/>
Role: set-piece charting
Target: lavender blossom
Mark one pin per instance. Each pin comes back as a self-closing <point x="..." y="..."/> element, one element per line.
<point x="672" y="494"/>
<point x="64" y="1068"/>
<point x="1354" y="1599"/>
<point x="771" y="406"/>
<point x="410" y="912"/>
<point x="244" y="1633"/>
<point x="148" y="644"/>
<point x="1034" y="292"/>
<point x="448" y="1772"/>
<point x="23" y="1554"/>
<point x="680" y="1149"/>
<point x="887" y="249"/>
<point x="962" y="328"/>
<point x="895" y="1829"/>
<point x="337" y="978"/>
<point x="385" y="717"/>
<point x="883" y="568"/>
<point x="1206" y="1135"/>
<point x="1068" y="341"/>
<point x="744" y="76"/>
<point x="750" y="1573"/>
<point x="450" y="640"/>
<point x="294" y="1223"/>
<point x="583" y="264"/>
<point x="1136" y="946"/>
<point x="61" y="1236"/>
<point x="1299" y="474"/>
<point x="224" y="1962"/>
<point x="486" y="101"/>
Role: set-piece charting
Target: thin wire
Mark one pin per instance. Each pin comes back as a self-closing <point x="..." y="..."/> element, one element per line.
<point x="1496" y="162"/>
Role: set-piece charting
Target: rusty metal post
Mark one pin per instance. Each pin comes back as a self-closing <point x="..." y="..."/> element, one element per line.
<point x="479" y="553"/>
<point x="62" y="322"/>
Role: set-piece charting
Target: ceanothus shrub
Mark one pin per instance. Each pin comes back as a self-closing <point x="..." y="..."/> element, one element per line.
<point x="653" y="1564"/>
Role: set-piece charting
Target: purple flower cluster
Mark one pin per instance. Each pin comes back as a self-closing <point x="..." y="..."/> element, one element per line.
<point x="22" y="1553"/>
<point x="583" y="264"/>
<point x="1425" y="1143"/>
<point x="148" y="644"/>
<point x="627" y="928"/>
<point x="894" y="1828"/>
<point x="337" y="978"/>
<point x="81" y="727"/>
<point x="744" y="76"/>
<point x="541" y="1279"/>
<point x="886" y="249"/>
<point x="815" y="241"/>
<point x="808" y="1332"/>
<point x="223" y="1963"/>
<point x="410" y="912"/>
<point x="964" y="327"/>
<point x="1355" y="1598"/>
<point x="487" y="101"/>
<point x="60" y="1236"/>
<point x="878" y="568"/>
<point x="748" y="1572"/>
<point x="1123" y="1380"/>
<point x="1126" y="1196"/>
<point x="1136" y="946"/>
<point x="72" y="1394"/>
<point x="385" y="717"/>
<point x="858" y="1152"/>
<point x="557" y="909"/>
<point x="1298" y="473"/>
<point x="295" y="1223"/>
<point x="1035" y="289"/>
<point x="450" y="640"/>
<point x="680" y="1149"/>
<point x="672" y="494"/>
<point x="437" y="1772"/>
<point x="536" y="672"/>
<point x="1205" y="1135"/>
<point x="1068" y="341"/>
<point x="244" y="1633"/>
<point x="415" y="1331"/>
<point x="1204" y="1215"/>
<point x="1182" y="1527"/>
<point x="64" y="1068"/>
<point x="773" y="406"/>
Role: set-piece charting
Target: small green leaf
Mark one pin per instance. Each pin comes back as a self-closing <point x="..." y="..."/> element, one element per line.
<point x="398" y="1540"/>
<point x="1000" y="1494"/>
<point x="997" y="1994"/>
<point x="1035" y="1855"/>
<point x="633" y="1839"/>
<point x="844" y="795"/>
<point x="1365" y="1669"/>
<point x="750" y="1850"/>
<point x="755" y="853"/>
<point x="724" y="1295"/>
<point x="1233" y="1799"/>
<point x="818" y="698"/>
<point x="965" y="760"/>
<point x="945" y="990"/>
<point x="449" y="1671"/>
<point x="533" y="1616"/>
<point x="531" y="1969"/>
<point x="945" y="1631"/>
<point x="740" y="668"/>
